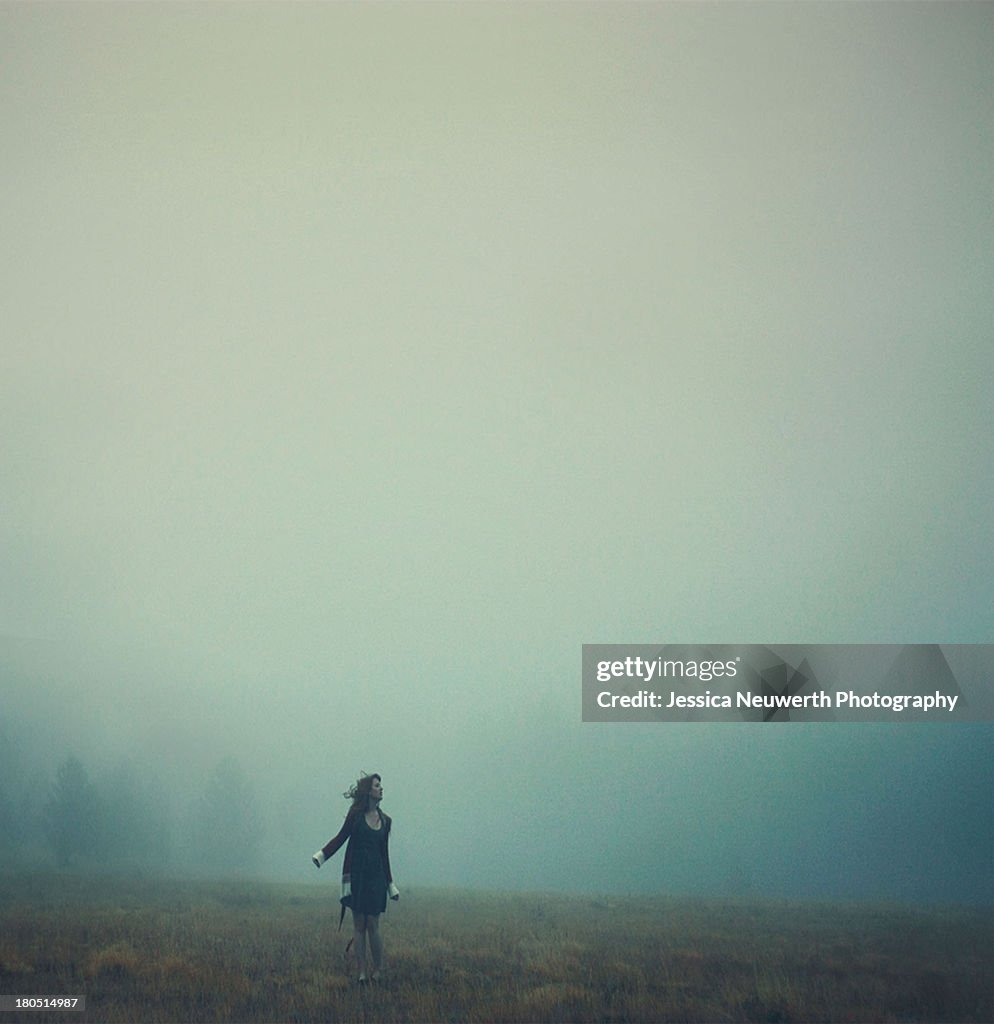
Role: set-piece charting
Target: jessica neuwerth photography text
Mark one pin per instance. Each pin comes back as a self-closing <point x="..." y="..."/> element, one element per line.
<point x="788" y="682"/>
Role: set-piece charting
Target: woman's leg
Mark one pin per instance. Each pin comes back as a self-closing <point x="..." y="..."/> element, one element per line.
<point x="375" y="941"/>
<point x="359" y="942"/>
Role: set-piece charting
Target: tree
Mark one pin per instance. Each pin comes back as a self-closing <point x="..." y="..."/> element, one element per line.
<point x="72" y="814"/>
<point x="229" y="830"/>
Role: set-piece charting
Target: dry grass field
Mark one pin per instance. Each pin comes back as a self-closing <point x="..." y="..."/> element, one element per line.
<point x="165" y="950"/>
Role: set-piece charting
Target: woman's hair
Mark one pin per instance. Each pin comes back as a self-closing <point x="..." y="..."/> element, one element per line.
<point x="359" y="792"/>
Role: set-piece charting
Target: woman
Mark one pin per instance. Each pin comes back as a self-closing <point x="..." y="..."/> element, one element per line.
<point x="366" y="877"/>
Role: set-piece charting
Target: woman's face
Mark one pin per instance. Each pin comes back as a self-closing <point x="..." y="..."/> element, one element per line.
<point x="376" y="790"/>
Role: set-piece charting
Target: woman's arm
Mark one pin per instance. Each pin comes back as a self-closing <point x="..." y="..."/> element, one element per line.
<point x="332" y="846"/>
<point x="392" y="891"/>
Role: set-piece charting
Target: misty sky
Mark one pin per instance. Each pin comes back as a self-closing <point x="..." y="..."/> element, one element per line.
<point x="360" y="363"/>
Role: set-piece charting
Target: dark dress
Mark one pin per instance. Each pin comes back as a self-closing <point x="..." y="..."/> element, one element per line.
<point x="369" y="881"/>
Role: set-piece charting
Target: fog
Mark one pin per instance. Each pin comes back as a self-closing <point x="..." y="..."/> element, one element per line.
<point x="362" y="363"/>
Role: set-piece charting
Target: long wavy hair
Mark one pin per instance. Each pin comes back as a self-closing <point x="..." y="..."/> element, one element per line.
<point x="358" y="793"/>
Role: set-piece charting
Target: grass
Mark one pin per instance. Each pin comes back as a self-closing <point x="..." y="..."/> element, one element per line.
<point x="165" y="950"/>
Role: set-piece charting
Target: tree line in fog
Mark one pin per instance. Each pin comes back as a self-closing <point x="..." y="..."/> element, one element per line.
<point x="71" y="819"/>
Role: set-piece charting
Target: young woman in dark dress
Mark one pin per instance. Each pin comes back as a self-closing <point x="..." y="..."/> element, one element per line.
<point x="366" y="876"/>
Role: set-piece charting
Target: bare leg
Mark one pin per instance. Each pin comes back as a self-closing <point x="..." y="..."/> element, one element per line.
<point x="375" y="942"/>
<point x="359" y="942"/>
